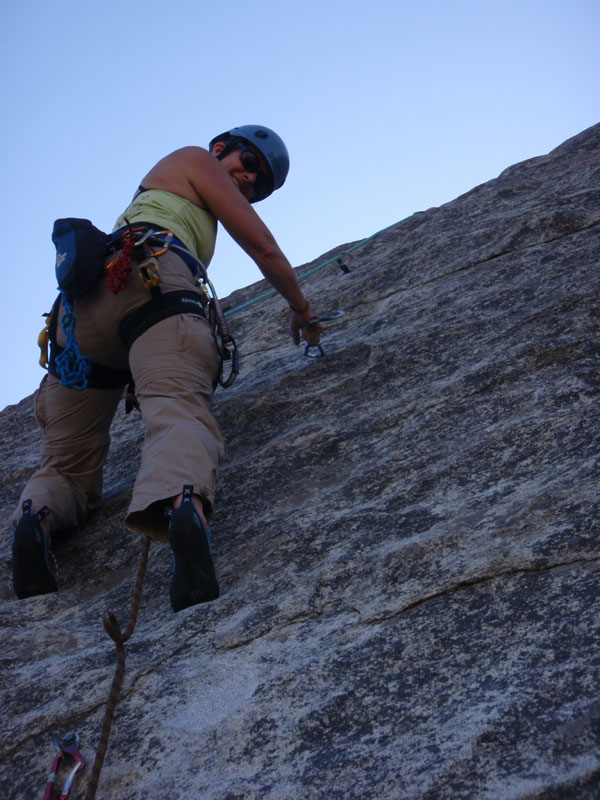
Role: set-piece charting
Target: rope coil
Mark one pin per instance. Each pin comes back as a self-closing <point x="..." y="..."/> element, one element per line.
<point x="72" y="367"/>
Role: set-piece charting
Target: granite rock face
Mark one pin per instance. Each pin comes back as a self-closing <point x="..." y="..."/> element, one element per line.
<point x="406" y="537"/>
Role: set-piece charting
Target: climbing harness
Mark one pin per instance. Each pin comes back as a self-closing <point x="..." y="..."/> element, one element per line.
<point x="68" y="747"/>
<point x="104" y="377"/>
<point x="203" y="302"/>
<point x="76" y="242"/>
<point x="113" y="629"/>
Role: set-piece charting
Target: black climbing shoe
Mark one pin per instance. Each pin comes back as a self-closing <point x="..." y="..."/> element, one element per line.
<point x="31" y="556"/>
<point x="194" y="578"/>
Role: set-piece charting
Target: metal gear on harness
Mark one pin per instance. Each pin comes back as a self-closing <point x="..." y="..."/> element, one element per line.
<point x="149" y="272"/>
<point x="118" y="271"/>
<point x="77" y="371"/>
<point x="44" y="341"/>
<point x="225" y="342"/>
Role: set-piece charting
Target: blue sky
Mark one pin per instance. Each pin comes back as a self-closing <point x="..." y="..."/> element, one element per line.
<point x="387" y="108"/>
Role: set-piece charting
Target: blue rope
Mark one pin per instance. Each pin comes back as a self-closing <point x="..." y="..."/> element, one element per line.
<point x="73" y="368"/>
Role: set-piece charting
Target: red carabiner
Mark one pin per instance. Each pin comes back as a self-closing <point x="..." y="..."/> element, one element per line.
<point x="68" y="746"/>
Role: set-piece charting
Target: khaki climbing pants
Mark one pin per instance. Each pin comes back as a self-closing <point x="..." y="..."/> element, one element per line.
<point x="174" y="365"/>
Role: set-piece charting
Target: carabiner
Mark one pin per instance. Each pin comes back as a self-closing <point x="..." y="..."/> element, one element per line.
<point x="314" y="351"/>
<point x="165" y="244"/>
<point x="68" y="746"/>
<point x="228" y="352"/>
<point x="146" y="235"/>
<point x="331" y="315"/>
<point x="149" y="272"/>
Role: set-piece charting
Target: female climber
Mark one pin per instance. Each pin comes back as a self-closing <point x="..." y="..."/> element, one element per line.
<point x="172" y="357"/>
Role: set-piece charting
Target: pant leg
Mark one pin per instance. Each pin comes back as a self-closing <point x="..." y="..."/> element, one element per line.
<point x="75" y="427"/>
<point x="173" y="380"/>
<point x="174" y="365"/>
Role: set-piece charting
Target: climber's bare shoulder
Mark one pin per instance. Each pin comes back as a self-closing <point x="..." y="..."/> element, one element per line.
<point x="185" y="172"/>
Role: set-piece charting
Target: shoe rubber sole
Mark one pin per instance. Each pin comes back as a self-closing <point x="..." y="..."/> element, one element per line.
<point x="194" y="579"/>
<point x="30" y="560"/>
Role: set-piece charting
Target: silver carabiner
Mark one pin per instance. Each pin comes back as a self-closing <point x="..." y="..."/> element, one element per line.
<point x="314" y="351"/>
<point x="67" y="746"/>
<point x="228" y="352"/>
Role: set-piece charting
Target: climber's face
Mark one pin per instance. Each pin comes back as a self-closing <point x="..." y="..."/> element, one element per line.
<point x="244" y="166"/>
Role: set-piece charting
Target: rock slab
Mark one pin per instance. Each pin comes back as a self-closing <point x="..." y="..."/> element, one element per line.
<point x="406" y="537"/>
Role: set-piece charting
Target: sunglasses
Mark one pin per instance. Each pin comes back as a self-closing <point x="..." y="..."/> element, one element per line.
<point x="251" y="162"/>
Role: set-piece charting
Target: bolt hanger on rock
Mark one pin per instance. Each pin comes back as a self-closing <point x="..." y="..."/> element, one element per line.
<point x="316" y="351"/>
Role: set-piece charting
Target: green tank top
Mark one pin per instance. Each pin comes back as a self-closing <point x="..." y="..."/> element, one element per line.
<point x="195" y="227"/>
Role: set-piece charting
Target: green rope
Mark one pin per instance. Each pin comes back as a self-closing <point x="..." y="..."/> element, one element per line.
<point x="273" y="292"/>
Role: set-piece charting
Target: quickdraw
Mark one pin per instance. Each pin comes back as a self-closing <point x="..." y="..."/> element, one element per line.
<point x="68" y="747"/>
<point x="316" y="350"/>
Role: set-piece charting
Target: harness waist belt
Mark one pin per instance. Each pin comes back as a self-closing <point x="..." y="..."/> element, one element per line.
<point x="133" y="325"/>
<point x="163" y="305"/>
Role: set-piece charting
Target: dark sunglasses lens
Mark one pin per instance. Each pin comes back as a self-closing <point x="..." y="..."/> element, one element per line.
<point x="250" y="161"/>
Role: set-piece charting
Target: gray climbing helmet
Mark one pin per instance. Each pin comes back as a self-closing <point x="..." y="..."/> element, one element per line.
<point x="271" y="147"/>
